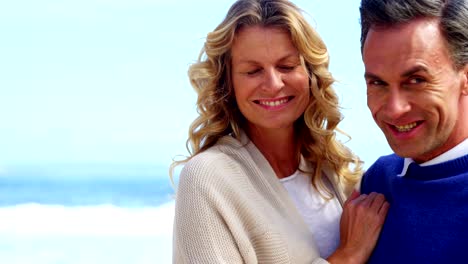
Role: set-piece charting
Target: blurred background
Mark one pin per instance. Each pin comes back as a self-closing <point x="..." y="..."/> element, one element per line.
<point x="95" y="103"/>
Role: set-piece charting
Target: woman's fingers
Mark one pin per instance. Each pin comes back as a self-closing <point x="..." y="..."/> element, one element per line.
<point x="361" y="222"/>
<point x="383" y="210"/>
<point x="380" y="205"/>
<point x="376" y="207"/>
<point x="373" y="200"/>
<point x="359" y="199"/>
<point x="354" y="195"/>
<point x="368" y="210"/>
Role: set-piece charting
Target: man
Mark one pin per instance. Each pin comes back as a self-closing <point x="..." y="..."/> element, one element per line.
<point x="415" y="54"/>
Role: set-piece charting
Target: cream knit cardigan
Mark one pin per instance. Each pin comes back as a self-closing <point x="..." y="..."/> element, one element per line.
<point x="231" y="208"/>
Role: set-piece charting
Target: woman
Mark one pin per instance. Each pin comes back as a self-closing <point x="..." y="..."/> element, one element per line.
<point x="266" y="179"/>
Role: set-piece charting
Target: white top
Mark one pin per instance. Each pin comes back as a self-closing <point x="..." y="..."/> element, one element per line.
<point x="458" y="151"/>
<point x="322" y="216"/>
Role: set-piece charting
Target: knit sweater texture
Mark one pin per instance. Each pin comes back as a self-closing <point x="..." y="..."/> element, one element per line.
<point x="231" y="208"/>
<point x="428" y="217"/>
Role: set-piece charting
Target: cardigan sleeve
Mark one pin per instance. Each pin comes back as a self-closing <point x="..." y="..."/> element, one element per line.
<point x="201" y="234"/>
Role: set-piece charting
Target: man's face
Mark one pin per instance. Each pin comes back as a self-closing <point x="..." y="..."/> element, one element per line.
<point x="415" y="95"/>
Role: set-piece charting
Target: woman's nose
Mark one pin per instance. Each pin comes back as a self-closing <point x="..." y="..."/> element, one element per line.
<point x="273" y="80"/>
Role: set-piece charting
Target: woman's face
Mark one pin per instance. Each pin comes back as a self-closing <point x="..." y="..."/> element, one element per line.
<point x="270" y="83"/>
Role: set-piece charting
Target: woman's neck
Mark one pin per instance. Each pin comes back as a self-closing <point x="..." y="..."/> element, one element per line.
<point x="279" y="148"/>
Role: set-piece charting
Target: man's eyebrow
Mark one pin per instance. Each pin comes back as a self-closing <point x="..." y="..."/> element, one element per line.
<point x="369" y="75"/>
<point x="409" y="72"/>
<point x="414" y="70"/>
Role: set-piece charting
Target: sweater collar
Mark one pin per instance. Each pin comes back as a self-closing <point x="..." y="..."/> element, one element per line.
<point x="458" y="151"/>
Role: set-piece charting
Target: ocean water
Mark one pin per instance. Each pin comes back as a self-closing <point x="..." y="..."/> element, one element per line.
<point x="85" y="214"/>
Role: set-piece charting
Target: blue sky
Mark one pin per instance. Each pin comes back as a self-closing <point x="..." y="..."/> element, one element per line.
<point x="106" y="80"/>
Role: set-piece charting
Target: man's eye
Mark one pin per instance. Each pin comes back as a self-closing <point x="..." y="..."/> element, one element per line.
<point x="375" y="82"/>
<point x="416" y="80"/>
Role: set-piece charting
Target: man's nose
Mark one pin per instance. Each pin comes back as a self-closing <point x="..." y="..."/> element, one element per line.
<point x="396" y="103"/>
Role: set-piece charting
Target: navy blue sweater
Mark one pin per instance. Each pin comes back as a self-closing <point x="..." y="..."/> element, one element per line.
<point x="428" y="217"/>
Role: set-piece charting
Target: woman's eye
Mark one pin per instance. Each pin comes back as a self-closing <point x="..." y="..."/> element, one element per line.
<point x="287" y="67"/>
<point x="252" y="72"/>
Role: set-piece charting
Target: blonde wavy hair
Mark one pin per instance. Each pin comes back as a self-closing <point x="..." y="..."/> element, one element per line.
<point x="216" y="105"/>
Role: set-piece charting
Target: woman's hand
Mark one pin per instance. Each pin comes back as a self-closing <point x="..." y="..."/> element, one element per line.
<point x="360" y="226"/>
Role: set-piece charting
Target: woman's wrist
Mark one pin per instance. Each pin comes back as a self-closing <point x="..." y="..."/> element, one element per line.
<point x="345" y="256"/>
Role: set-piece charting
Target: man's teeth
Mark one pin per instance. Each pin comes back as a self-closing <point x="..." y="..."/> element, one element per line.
<point x="406" y="127"/>
<point x="274" y="103"/>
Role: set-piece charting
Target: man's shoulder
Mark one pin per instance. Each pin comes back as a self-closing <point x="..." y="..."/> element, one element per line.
<point x="386" y="161"/>
<point x="379" y="175"/>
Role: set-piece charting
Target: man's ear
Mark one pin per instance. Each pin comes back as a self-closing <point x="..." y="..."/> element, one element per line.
<point x="464" y="88"/>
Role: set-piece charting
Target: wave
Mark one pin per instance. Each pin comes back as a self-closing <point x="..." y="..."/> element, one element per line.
<point x="34" y="219"/>
<point x="44" y="234"/>
<point x="122" y="192"/>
